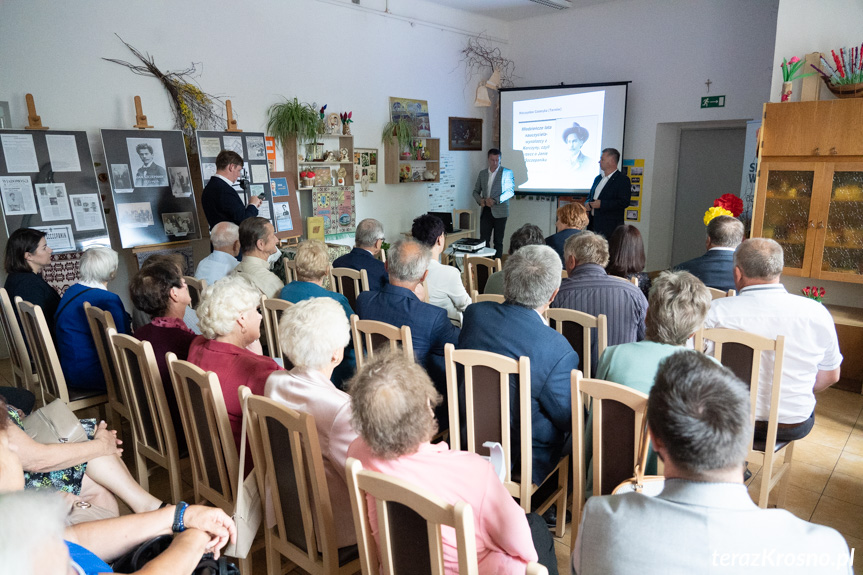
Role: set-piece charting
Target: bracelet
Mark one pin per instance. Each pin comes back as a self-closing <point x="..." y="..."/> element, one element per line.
<point x="179" y="511"/>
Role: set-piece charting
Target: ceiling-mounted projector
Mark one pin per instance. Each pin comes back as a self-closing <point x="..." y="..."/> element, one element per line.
<point x="556" y="4"/>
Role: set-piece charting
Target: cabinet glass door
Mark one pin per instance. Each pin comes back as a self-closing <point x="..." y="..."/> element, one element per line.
<point x="787" y="204"/>
<point x="843" y="240"/>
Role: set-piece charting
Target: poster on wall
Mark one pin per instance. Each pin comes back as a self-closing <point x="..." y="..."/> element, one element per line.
<point x="160" y="184"/>
<point x="417" y="111"/>
<point x="41" y="173"/>
<point x="366" y="164"/>
<point x="635" y="170"/>
<point x="286" y="207"/>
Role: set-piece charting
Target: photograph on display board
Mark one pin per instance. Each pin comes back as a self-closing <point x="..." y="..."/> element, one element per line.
<point x="53" y="203"/>
<point x="181" y="184"/>
<point x="148" y="162"/>
<point x="122" y="180"/>
<point x="234" y="144"/>
<point x="255" y="145"/>
<point x="85" y="209"/>
<point x="209" y="147"/>
<point x="178" y="224"/>
<point x="136" y="215"/>
<point x="17" y="192"/>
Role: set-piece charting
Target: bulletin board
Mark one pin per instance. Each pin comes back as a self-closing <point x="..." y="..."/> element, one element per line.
<point x="251" y="146"/>
<point x="286" y="207"/>
<point x="151" y="185"/>
<point x="48" y="182"/>
<point x="634" y="169"/>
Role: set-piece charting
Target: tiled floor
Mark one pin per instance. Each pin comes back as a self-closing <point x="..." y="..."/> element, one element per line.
<point x="826" y="477"/>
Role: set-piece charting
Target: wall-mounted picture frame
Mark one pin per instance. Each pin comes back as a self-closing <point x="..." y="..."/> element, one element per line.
<point x="465" y="134"/>
<point x="366" y="164"/>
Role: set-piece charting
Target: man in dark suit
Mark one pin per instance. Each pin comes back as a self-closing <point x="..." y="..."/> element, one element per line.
<point x="609" y="195"/>
<point x="516" y="328"/>
<point x="492" y="191"/>
<point x="368" y="240"/>
<point x="716" y="267"/>
<point x="220" y="200"/>
<point x="400" y="302"/>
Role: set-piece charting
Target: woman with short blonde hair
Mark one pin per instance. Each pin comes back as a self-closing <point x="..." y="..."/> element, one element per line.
<point x="571" y="219"/>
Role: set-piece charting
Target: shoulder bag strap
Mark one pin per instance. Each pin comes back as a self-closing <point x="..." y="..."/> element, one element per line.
<point x="70" y="300"/>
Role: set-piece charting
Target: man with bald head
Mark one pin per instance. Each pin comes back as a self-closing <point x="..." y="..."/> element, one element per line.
<point x="763" y="307"/>
<point x="225" y="237"/>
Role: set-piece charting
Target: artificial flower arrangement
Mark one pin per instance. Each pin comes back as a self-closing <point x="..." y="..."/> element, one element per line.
<point x="814" y="292"/>
<point x="345" y="117"/>
<point x="791" y="72"/>
<point x="848" y="70"/>
<point x="724" y="205"/>
<point x="307" y="175"/>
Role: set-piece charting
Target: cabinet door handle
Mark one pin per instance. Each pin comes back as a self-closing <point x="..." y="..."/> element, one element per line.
<point x="833" y="151"/>
<point x="811" y="224"/>
<point x="821" y="225"/>
<point x="816" y="151"/>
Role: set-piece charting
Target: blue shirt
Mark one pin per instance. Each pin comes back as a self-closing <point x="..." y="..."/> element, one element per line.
<point x="215" y="266"/>
<point x="299" y="291"/>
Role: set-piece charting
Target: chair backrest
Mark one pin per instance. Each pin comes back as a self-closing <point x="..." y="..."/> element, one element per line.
<point x="44" y="353"/>
<point x="289" y="467"/>
<point x="463" y="219"/>
<point x="272" y="309"/>
<point x="382" y="255"/>
<point x="488" y="408"/>
<point x="350" y="283"/>
<point x="141" y="382"/>
<point x="577" y="327"/>
<point x="409" y="521"/>
<point x="212" y="450"/>
<point x="479" y="269"/>
<point x="196" y="289"/>
<point x="477" y="297"/>
<point x="290" y="270"/>
<point x="100" y="322"/>
<point x="535" y="569"/>
<point x="634" y="280"/>
<point x="370" y="335"/>
<point x="22" y="369"/>
<point x="718" y="293"/>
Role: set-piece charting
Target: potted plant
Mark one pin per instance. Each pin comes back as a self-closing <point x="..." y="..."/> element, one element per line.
<point x="292" y="119"/>
<point x="402" y="132"/>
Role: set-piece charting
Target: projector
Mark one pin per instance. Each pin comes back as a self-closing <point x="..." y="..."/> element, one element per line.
<point x="468" y="245"/>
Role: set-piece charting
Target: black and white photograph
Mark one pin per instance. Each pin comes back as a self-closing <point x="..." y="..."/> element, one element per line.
<point x="632" y="215"/>
<point x="148" y="162"/>
<point x="17" y="194"/>
<point x="135" y="215"/>
<point x="234" y="144"/>
<point x="53" y="202"/>
<point x="209" y="147"/>
<point x="178" y="223"/>
<point x="85" y="208"/>
<point x="181" y="183"/>
<point x="284" y="223"/>
<point x="255" y="145"/>
<point x="121" y="178"/>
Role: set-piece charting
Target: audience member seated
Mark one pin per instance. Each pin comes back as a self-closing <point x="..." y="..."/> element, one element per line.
<point x="626" y="256"/>
<point x="312" y="265"/>
<point x="400" y="302"/>
<point x="190" y="318"/>
<point x="589" y="289"/>
<point x="571" y="219"/>
<point x="75" y="345"/>
<point x="225" y="237"/>
<point x="88" y="471"/>
<point x="368" y="240"/>
<point x="763" y="307"/>
<point x="160" y="291"/>
<point x="703" y="521"/>
<point x="27" y="252"/>
<point x="260" y="249"/>
<point x="314" y="334"/>
<point x="526" y="235"/>
<point x="444" y="283"/>
<point x="32" y="530"/>
<point x="392" y="403"/>
<point x="716" y="267"/>
<point x="230" y="346"/>
<point x="516" y="328"/>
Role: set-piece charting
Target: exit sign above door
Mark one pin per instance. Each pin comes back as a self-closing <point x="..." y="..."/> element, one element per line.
<point x="713" y="102"/>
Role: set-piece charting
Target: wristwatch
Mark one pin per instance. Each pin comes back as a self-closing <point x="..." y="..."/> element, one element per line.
<point x="179" y="511"/>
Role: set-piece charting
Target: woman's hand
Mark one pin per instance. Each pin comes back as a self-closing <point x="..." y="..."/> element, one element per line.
<point x="214" y="522"/>
<point x="108" y="439"/>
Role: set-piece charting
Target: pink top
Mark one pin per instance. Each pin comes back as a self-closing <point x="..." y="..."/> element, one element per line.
<point x="503" y="541"/>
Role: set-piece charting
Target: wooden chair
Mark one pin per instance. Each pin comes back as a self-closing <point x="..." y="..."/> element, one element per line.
<point x="463" y="220"/>
<point x="634" y="280"/>
<point x="718" y="293"/>
<point x="563" y="274"/>
<point x="100" y="322"/>
<point x="478" y="270"/>
<point x="488" y="417"/>
<point x="212" y="451"/>
<point x="53" y="382"/>
<point x="535" y="569"/>
<point x="23" y="374"/>
<point x="290" y="270"/>
<point x="477" y="297"/>
<point x="272" y="309"/>
<point x="409" y="523"/>
<point x="290" y="468"/>
<point x="741" y="352"/>
<point x="577" y="328"/>
<point x="350" y="283"/>
<point x="618" y="420"/>
<point x="153" y="428"/>
<point x="196" y="289"/>
<point x="382" y="255"/>
<point x="369" y="335"/>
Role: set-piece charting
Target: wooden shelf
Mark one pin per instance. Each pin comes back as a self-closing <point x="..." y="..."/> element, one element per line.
<point x="393" y="161"/>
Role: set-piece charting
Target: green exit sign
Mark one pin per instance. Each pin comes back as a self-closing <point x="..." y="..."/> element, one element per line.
<point x="713" y="102"/>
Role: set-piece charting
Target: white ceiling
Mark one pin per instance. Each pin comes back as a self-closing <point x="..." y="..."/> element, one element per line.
<point x="510" y="10"/>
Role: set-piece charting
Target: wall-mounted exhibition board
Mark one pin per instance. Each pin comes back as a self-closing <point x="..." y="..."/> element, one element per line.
<point x="151" y="185"/>
<point x="48" y="182"/>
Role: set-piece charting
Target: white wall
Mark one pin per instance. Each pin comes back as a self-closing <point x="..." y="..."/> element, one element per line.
<point x="668" y="49"/>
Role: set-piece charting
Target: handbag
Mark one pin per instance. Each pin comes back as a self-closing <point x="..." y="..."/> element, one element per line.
<point x="639" y="483"/>
<point x="54" y="423"/>
<point x="247" y="508"/>
<point x="135" y="559"/>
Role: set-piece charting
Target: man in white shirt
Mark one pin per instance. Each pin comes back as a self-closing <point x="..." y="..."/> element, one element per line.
<point x="716" y="267"/>
<point x="445" y="287"/>
<point x="225" y="237"/>
<point x="763" y="307"/>
<point x="259" y="245"/>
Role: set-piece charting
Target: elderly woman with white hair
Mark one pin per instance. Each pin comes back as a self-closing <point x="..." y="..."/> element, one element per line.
<point x="231" y="326"/>
<point x="314" y="333"/>
<point x="75" y="345"/>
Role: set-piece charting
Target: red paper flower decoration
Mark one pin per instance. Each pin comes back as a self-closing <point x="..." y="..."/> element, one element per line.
<point x="731" y="203"/>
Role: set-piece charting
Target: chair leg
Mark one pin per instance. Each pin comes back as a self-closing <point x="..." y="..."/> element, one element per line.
<point x="563" y="479"/>
<point x="141" y="470"/>
<point x="246" y="565"/>
<point x="274" y="559"/>
<point x="785" y="482"/>
<point x="766" y="476"/>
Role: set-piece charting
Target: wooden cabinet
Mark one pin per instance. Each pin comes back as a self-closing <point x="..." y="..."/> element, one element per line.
<point x="329" y="143"/>
<point x="820" y="128"/>
<point x="402" y="170"/>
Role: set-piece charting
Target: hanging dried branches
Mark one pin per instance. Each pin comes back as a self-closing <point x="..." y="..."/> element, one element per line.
<point x="193" y="108"/>
<point x="480" y="57"/>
